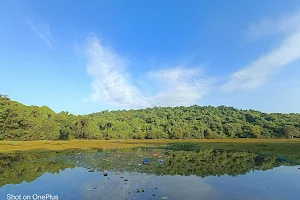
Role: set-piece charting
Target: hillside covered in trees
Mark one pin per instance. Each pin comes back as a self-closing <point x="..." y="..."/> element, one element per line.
<point x="20" y="122"/>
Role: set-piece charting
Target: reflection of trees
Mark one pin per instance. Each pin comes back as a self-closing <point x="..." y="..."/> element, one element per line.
<point x="18" y="167"/>
<point x="216" y="163"/>
<point x="202" y="163"/>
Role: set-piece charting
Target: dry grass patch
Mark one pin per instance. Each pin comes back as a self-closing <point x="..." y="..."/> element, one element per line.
<point x="8" y="146"/>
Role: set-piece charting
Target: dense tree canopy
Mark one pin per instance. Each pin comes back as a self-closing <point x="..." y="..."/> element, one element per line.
<point x="20" y="122"/>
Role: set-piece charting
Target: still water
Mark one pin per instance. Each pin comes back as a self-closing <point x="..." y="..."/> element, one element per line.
<point x="147" y="174"/>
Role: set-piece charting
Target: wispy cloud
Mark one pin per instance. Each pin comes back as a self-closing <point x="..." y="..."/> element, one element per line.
<point x="111" y="83"/>
<point x="258" y="72"/>
<point x="181" y="86"/>
<point x="42" y="30"/>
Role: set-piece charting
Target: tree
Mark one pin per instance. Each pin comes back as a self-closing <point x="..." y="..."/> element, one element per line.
<point x="232" y="129"/>
<point x="2" y="96"/>
<point x="291" y="132"/>
<point x="256" y="131"/>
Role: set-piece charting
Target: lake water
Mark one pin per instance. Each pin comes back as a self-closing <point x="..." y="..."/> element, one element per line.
<point x="122" y="174"/>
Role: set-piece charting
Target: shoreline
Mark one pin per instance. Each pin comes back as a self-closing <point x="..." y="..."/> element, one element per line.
<point x="60" y="145"/>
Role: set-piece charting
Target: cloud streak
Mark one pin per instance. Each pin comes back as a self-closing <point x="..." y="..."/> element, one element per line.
<point x="111" y="83"/>
<point x="259" y="71"/>
<point x="41" y="30"/>
<point x="182" y="86"/>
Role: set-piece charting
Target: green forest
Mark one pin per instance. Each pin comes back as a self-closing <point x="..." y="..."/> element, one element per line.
<point x="21" y="122"/>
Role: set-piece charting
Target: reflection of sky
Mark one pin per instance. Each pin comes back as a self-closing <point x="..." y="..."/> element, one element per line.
<point x="77" y="184"/>
<point x="276" y="184"/>
<point x="185" y="187"/>
<point x="172" y="187"/>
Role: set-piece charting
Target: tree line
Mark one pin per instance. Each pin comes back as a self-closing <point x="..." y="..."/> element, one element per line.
<point x="20" y="122"/>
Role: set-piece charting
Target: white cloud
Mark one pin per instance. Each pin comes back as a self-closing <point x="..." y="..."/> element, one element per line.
<point x="42" y="30"/>
<point x="182" y="86"/>
<point x="258" y="72"/>
<point x="111" y="85"/>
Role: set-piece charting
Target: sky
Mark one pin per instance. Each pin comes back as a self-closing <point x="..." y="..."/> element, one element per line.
<point x="94" y="55"/>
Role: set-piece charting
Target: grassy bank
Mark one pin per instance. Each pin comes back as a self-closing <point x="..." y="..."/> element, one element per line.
<point x="238" y="144"/>
<point x="287" y="148"/>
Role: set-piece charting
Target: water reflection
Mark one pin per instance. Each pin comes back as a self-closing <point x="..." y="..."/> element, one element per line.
<point x="202" y="163"/>
<point x="21" y="166"/>
<point x="205" y="174"/>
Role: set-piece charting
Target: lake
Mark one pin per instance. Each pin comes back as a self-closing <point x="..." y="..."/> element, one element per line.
<point x="208" y="174"/>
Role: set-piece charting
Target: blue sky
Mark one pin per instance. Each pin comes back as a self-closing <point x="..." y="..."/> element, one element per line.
<point x="89" y="56"/>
